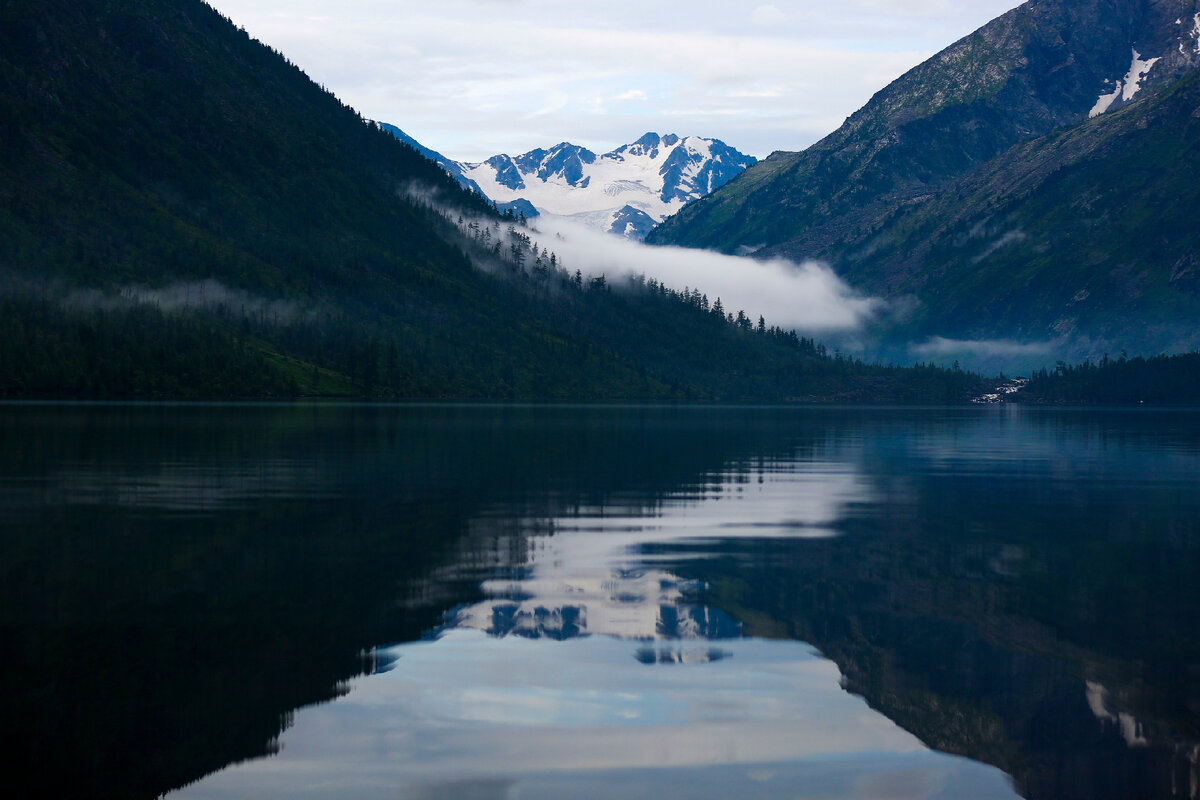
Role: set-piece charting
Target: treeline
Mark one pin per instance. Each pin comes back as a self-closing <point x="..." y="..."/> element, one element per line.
<point x="173" y="150"/>
<point x="513" y="246"/>
<point x="618" y="345"/>
<point x="48" y="351"/>
<point x="1160" y="380"/>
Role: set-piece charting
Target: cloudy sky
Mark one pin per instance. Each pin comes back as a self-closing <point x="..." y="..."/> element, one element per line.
<point x="472" y="78"/>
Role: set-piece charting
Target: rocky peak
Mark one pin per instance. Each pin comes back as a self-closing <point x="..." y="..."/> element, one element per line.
<point x="508" y="173"/>
<point x="626" y="191"/>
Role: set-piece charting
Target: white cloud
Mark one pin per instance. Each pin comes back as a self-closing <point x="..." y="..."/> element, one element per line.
<point x="469" y="78"/>
<point x="765" y="16"/>
<point x="808" y="296"/>
<point x="633" y="94"/>
<point x="988" y="348"/>
<point x="557" y="103"/>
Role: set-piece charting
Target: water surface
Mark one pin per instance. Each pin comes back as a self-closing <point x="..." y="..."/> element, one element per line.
<point x="528" y="602"/>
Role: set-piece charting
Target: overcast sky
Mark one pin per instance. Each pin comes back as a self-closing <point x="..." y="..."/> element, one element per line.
<point x="472" y="78"/>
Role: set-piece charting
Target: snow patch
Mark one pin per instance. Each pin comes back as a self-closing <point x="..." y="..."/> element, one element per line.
<point x="1105" y="102"/>
<point x="1138" y="70"/>
<point x="1127" y="724"/>
<point x="1011" y="237"/>
<point x="1130" y="85"/>
<point x="698" y="146"/>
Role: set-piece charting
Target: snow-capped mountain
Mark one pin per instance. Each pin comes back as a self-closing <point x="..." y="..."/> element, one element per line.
<point x="626" y="192"/>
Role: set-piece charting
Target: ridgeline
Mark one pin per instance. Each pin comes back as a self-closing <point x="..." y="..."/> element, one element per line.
<point x="185" y="214"/>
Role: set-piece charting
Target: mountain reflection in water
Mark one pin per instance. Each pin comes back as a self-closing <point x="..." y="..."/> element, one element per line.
<point x="590" y="570"/>
<point x="610" y="602"/>
<point x="578" y="712"/>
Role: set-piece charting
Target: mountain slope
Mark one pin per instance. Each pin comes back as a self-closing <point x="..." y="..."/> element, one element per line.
<point x="626" y="191"/>
<point x="183" y="213"/>
<point x="1032" y="181"/>
<point x="442" y="161"/>
<point x="1089" y="231"/>
<point x="150" y="141"/>
<point x="1037" y="68"/>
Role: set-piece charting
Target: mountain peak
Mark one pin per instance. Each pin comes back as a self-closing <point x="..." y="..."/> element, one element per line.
<point x="626" y="191"/>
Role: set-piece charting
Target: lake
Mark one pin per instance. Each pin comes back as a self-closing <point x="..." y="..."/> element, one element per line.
<point x="320" y="601"/>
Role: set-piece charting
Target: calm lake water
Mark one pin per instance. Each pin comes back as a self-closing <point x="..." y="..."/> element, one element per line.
<point x="550" y="602"/>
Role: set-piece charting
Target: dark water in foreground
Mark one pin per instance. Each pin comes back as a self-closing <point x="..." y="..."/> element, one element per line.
<point x="369" y="602"/>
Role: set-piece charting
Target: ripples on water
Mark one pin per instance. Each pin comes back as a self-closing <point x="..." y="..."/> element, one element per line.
<point x="607" y="602"/>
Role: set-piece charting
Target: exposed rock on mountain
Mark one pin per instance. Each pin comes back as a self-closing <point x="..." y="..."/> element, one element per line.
<point x="1031" y="171"/>
<point x="1089" y="231"/>
<point x="625" y="192"/>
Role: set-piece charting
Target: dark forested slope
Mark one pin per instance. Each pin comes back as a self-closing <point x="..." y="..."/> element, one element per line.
<point x="1088" y="231"/>
<point x="149" y="140"/>
<point x="183" y="213"/>
<point x="1031" y="181"/>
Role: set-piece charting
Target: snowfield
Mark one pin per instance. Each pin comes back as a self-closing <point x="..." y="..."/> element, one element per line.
<point x="656" y="175"/>
<point x="1126" y="88"/>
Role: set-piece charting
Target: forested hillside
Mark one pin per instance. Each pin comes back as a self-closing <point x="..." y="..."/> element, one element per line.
<point x="183" y="213"/>
<point x="1003" y="189"/>
<point x="1121" y="381"/>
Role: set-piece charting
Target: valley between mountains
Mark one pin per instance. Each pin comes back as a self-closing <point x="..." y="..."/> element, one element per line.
<point x="184" y="213"/>
<point x="1033" y="183"/>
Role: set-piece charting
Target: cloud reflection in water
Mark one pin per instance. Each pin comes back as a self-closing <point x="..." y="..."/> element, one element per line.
<point x="589" y="673"/>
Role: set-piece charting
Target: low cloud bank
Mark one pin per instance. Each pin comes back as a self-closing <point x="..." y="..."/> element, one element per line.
<point x="990" y="348"/>
<point x="203" y="295"/>
<point x="807" y="296"/>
